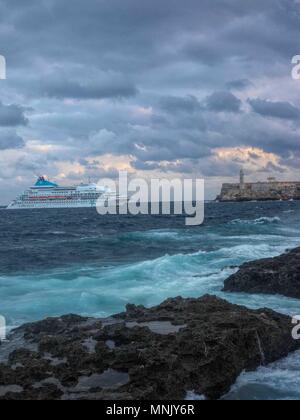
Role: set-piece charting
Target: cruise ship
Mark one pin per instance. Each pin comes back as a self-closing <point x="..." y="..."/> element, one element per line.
<point x="46" y="194"/>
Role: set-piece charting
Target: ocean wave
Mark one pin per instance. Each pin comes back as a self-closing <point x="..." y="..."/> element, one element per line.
<point x="56" y="232"/>
<point x="201" y="261"/>
<point x="102" y="291"/>
<point x="249" y="252"/>
<point x="259" y="221"/>
<point x="184" y="235"/>
<point x="154" y="234"/>
<point x="278" y="381"/>
<point x="293" y="231"/>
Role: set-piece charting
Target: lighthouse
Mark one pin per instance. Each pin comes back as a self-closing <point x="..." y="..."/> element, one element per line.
<point x="242" y="179"/>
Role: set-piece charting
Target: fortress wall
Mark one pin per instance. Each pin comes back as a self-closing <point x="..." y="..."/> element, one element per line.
<point x="260" y="191"/>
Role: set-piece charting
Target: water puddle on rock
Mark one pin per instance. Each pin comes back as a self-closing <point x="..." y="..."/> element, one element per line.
<point x="15" y="389"/>
<point x="158" y="327"/>
<point x="15" y="343"/>
<point x="90" y="344"/>
<point x="110" y="344"/>
<point x="110" y="379"/>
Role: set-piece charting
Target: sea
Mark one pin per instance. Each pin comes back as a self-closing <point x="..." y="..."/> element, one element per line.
<point x="54" y="262"/>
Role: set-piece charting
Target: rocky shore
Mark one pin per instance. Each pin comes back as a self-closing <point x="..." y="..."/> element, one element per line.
<point x="280" y="275"/>
<point x="182" y="345"/>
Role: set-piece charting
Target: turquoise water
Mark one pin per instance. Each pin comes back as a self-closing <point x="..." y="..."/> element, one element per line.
<point x="77" y="262"/>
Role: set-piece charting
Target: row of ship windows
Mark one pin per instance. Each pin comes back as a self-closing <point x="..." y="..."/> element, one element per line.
<point x="64" y="203"/>
<point x="37" y="199"/>
<point x="70" y="197"/>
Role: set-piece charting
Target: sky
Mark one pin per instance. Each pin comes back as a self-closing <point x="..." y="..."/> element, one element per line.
<point x="172" y="88"/>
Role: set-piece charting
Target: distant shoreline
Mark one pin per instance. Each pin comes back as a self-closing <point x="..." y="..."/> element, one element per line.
<point x="261" y="200"/>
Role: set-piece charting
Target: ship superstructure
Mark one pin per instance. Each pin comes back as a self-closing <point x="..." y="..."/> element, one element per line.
<point x="46" y="194"/>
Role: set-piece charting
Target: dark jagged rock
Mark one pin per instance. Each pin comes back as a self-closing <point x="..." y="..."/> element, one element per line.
<point x="279" y="275"/>
<point x="159" y="353"/>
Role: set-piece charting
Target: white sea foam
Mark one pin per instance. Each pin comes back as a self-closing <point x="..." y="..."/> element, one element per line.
<point x="56" y="232"/>
<point x="192" y="396"/>
<point x="259" y="221"/>
<point x="280" y="380"/>
<point x="155" y="235"/>
<point x="103" y="291"/>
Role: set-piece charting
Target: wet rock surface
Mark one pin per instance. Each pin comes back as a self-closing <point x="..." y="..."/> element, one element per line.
<point x="280" y="275"/>
<point x="182" y="345"/>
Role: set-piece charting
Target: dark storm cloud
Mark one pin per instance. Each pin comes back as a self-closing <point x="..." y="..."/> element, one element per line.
<point x="271" y="168"/>
<point x="193" y="167"/>
<point x="223" y="102"/>
<point x="176" y="104"/>
<point x="240" y="84"/>
<point x="9" y="139"/>
<point x="292" y="161"/>
<point x="132" y="35"/>
<point x="150" y="79"/>
<point x="115" y="88"/>
<point x="267" y="108"/>
<point x="12" y="115"/>
<point x="145" y="166"/>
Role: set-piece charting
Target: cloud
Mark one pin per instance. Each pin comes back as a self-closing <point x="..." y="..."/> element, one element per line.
<point x="9" y="139"/>
<point x="223" y="102"/>
<point x="100" y="142"/>
<point x="271" y="168"/>
<point x="188" y="104"/>
<point x="239" y="84"/>
<point x="160" y="82"/>
<point x="267" y="108"/>
<point x="114" y="87"/>
<point x="12" y="115"/>
<point x="145" y="166"/>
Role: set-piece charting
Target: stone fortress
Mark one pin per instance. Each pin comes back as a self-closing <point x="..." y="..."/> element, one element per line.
<point x="271" y="190"/>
